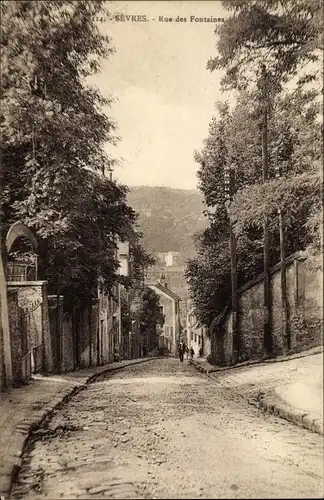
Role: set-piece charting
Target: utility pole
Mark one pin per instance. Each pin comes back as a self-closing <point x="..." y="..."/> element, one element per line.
<point x="283" y="278"/>
<point x="267" y="338"/>
<point x="229" y="191"/>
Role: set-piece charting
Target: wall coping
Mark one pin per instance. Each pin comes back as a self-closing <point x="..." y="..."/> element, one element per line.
<point x="17" y="284"/>
<point x="273" y="270"/>
<point x="219" y="320"/>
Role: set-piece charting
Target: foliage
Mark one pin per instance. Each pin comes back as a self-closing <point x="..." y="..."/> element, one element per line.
<point x="141" y="260"/>
<point x="168" y="217"/>
<point x="53" y="135"/>
<point x="142" y="307"/>
<point x="208" y="290"/>
<point x="286" y="36"/>
<point x="295" y="137"/>
<point x="228" y="143"/>
<point x="149" y="314"/>
<point x="294" y="146"/>
<point x="126" y="320"/>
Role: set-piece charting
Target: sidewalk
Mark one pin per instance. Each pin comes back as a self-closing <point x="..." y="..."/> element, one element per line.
<point x="289" y="386"/>
<point x="23" y="409"/>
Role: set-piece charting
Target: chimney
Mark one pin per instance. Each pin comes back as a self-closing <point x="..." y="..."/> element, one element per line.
<point x="163" y="281"/>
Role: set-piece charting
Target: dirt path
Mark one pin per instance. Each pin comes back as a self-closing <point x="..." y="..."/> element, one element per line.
<point x="161" y="430"/>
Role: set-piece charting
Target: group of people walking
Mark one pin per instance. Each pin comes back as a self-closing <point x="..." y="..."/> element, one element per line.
<point x="185" y="351"/>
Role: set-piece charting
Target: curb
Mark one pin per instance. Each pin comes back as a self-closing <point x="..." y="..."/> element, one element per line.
<point x="270" y="404"/>
<point x="298" y="417"/>
<point x="280" y="359"/>
<point x="24" y="430"/>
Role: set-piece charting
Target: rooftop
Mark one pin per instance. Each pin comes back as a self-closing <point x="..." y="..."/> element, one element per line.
<point x="166" y="291"/>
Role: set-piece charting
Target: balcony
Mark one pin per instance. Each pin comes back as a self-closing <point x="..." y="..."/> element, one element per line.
<point x="21" y="272"/>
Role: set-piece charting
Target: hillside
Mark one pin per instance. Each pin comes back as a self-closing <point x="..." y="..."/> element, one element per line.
<point x="168" y="217"/>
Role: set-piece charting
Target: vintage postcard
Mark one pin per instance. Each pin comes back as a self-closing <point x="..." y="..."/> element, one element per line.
<point x="161" y="271"/>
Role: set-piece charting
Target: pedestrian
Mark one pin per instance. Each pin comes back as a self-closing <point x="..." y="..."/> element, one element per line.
<point x="187" y="352"/>
<point x="181" y="350"/>
<point x="192" y="352"/>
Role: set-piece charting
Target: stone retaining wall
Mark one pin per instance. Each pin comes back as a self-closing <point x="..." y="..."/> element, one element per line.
<point x="305" y="304"/>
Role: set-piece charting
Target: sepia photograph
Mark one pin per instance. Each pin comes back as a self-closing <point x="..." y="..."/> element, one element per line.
<point x="161" y="258"/>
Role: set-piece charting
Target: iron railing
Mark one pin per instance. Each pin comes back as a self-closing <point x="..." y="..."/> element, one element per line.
<point x="21" y="272"/>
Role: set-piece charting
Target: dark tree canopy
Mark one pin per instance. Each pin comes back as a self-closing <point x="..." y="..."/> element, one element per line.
<point x="295" y="137"/>
<point x="54" y="132"/>
<point x="285" y="35"/>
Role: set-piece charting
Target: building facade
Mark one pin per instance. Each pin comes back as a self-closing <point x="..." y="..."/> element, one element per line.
<point x="172" y="266"/>
<point x="196" y="337"/>
<point x="170" y="307"/>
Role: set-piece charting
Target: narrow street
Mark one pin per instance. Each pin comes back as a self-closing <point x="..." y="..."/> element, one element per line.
<point x="162" y="430"/>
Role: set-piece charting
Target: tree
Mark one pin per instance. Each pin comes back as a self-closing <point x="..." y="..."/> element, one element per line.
<point x="53" y="135"/>
<point x="295" y="139"/>
<point x="144" y="310"/>
<point x="208" y="274"/>
<point x="133" y="295"/>
<point x="208" y="277"/>
<point x="140" y="260"/>
<point x="286" y="36"/>
<point x="294" y="146"/>
<point x="149" y="316"/>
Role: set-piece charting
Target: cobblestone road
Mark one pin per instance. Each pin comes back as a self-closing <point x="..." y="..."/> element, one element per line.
<point x="163" y="430"/>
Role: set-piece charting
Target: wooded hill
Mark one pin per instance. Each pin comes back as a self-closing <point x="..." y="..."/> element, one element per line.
<point x="168" y="218"/>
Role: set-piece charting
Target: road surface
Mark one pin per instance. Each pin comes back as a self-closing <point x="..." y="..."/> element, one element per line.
<point x="163" y="430"/>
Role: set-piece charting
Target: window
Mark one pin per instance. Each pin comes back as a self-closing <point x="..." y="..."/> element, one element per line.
<point x="171" y="331"/>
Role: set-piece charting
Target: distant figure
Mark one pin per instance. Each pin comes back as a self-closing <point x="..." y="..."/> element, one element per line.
<point x="201" y="352"/>
<point x="192" y="352"/>
<point x="187" y="352"/>
<point x="181" y="351"/>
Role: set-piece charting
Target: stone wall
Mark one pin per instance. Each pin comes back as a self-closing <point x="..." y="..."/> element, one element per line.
<point x="32" y="301"/>
<point x="207" y="346"/>
<point x="84" y="338"/>
<point x="307" y="315"/>
<point x="95" y="331"/>
<point x="105" y="328"/>
<point x="68" y="354"/>
<point x="19" y="341"/>
<point x="55" y="322"/>
<point x="305" y="311"/>
<point x="75" y="342"/>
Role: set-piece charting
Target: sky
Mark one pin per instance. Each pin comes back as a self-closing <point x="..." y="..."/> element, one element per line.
<point x="165" y="97"/>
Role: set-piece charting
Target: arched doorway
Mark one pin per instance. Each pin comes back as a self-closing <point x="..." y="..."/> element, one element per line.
<point x="21" y="267"/>
<point x="22" y="257"/>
